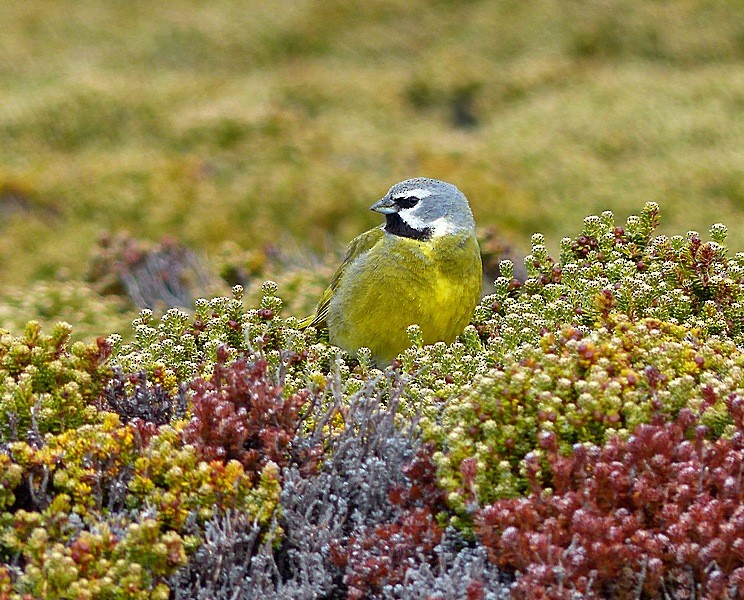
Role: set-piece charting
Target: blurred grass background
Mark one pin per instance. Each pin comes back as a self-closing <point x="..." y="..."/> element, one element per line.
<point x="235" y="126"/>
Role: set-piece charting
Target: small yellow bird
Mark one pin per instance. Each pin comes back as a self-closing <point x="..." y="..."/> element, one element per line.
<point x="422" y="267"/>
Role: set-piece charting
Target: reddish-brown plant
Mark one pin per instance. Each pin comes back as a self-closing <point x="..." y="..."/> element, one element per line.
<point x="659" y="513"/>
<point x="242" y="414"/>
<point x="380" y="556"/>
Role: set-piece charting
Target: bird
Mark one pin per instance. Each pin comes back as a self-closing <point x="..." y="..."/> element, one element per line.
<point x="421" y="267"/>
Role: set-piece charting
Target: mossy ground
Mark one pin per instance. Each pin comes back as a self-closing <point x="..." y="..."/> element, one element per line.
<point x="238" y="122"/>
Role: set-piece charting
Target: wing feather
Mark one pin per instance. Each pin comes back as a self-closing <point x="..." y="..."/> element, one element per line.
<point x="358" y="246"/>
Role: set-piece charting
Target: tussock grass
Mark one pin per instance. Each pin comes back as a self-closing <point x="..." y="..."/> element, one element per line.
<point x="237" y="121"/>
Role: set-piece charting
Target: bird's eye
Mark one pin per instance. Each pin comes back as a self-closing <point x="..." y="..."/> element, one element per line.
<point x="407" y="202"/>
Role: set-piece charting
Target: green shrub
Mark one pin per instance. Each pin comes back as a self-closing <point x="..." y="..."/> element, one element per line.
<point x="46" y="385"/>
<point x="576" y="388"/>
<point x="624" y="326"/>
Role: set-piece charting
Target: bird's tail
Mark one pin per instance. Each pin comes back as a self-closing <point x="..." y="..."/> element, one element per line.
<point x="306" y="322"/>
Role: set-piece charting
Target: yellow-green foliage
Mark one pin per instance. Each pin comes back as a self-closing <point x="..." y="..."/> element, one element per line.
<point x="82" y="471"/>
<point x="169" y="476"/>
<point x="49" y="302"/>
<point x="179" y="347"/>
<point x="10" y="476"/>
<point x="132" y="563"/>
<point x="46" y="384"/>
<point x="85" y="465"/>
<point x="611" y="268"/>
<point x="576" y="389"/>
<point x="6" y="583"/>
<point x="82" y="462"/>
<point x="89" y="474"/>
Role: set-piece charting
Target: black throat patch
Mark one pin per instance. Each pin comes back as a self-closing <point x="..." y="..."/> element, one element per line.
<point x="397" y="226"/>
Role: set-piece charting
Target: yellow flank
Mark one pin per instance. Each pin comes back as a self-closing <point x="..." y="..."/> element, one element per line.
<point x="392" y="282"/>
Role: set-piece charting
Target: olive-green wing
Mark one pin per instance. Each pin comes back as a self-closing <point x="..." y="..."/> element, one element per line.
<point x="359" y="245"/>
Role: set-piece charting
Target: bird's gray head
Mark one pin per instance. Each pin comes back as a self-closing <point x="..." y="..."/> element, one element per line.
<point x="423" y="208"/>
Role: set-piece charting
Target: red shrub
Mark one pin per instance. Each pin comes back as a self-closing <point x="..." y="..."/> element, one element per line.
<point x="384" y="555"/>
<point x="380" y="556"/>
<point x="241" y="414"/>
<point x="662" y="512"/>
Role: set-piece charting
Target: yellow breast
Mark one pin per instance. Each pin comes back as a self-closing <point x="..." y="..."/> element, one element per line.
<point x="400" y="282"/>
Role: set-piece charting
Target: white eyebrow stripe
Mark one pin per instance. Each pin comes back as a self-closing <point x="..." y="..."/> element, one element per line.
<point x="418" y="193"/>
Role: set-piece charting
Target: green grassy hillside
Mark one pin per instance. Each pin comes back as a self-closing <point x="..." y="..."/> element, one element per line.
<point x="248" y="123"/>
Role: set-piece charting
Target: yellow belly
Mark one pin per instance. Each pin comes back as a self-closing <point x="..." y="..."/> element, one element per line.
<point x="400" y="282"/>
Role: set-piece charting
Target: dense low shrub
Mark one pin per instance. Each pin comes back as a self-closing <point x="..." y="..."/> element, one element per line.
<point x="656" y="515"/>
<point x="583" y="437"/>
<point x="46" y="385"/>
<point x="576" y="388"/>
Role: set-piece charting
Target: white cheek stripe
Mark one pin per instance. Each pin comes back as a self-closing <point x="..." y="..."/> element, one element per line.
<point x="418" y="193"/>
<point x="439" y="227"/>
